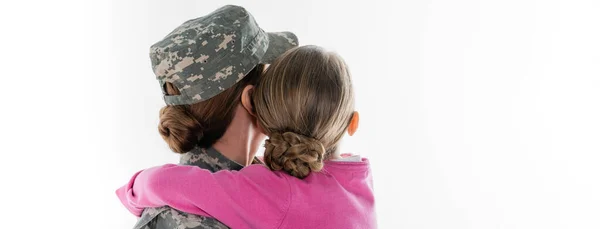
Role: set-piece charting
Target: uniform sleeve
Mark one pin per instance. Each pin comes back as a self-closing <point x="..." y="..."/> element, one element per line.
<point x="253" y="197"/>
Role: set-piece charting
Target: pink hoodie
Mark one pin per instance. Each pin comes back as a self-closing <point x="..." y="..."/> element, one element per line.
<point x="340" y="196"/>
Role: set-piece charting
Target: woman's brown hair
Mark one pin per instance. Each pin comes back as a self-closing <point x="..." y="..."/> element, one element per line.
<point x="304" y="102"/>
<point x="184" y="127"/>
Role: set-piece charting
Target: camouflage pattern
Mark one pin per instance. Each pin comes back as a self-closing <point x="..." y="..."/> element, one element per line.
<point x="169" y="218"/>
<point x="209" y="54"/>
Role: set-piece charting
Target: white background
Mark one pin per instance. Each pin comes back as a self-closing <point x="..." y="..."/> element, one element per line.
<point x="475" y="114"/>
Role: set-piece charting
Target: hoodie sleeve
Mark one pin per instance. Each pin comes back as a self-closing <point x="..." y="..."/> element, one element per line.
<point x="253" y="197"/>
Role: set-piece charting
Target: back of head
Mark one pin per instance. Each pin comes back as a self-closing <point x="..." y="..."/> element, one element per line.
<point x="185" y="127"/>
<point x="304" y="102"/>
<point x="203" y="66"/>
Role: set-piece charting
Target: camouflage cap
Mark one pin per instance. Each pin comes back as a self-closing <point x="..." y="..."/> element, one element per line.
<point x="209" y="54"/>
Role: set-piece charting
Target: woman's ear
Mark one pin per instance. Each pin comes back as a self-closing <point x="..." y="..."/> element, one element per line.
<point x="247" y="99"/>
<point x="353" y="124"/>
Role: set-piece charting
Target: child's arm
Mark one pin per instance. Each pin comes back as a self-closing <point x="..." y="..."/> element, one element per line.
<point x="253" y="197"/>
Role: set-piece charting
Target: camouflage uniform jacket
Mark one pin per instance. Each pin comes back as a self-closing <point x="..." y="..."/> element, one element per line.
<point x="169" y="218"/>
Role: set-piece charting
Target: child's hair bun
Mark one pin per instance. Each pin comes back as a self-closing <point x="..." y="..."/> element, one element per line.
<point x="296" y="154"/>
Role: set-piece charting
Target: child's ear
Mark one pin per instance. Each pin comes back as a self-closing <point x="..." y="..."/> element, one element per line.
<point x="353" y="124"/>
<point x="247" y="99"/>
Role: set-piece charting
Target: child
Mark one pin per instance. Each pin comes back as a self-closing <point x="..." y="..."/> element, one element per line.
<point x="305" y="104"/>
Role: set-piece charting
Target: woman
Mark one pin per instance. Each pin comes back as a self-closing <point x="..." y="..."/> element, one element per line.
<point x="203" y="67"/>
<point x="305" y="104"/>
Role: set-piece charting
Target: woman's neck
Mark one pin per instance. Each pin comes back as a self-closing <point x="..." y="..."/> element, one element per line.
<point x="241" y="139"/>
<point x="236" y="148"/>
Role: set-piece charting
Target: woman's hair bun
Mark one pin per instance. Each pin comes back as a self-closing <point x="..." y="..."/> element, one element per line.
<point x="179" y="128"/>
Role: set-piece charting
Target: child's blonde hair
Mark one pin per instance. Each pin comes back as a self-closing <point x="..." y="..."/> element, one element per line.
<point x="304" y="102"/>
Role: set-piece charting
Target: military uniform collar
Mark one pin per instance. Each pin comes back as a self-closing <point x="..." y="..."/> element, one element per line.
<point x="210" y="159"/>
